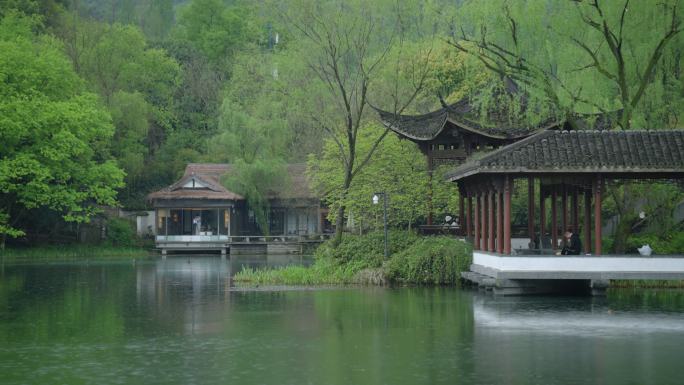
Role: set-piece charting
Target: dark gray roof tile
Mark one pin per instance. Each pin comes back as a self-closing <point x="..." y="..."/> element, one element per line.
<point x="585" y="151"/>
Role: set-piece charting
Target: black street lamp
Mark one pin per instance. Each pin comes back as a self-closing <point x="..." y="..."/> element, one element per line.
<point x="376" y="200"/>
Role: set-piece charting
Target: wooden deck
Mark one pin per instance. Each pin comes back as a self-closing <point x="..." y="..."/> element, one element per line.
<point x="225" y="244"/>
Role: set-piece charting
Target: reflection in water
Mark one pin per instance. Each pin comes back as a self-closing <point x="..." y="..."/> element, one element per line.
<point x="570" y="316"/>
<point x="179" y="321"/>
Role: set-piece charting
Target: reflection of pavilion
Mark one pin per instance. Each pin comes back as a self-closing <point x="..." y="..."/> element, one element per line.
<point x="565" y="165"/>
<point x="190" y="293"/>
<point x="579" y="316"/>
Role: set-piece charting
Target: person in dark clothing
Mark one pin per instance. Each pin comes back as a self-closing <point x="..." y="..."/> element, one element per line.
<point x="573" y="245"/>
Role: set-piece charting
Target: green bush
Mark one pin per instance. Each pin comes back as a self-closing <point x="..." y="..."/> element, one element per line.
<point x="359" y="259"/>
<point x="368" y="249"/>
<point x="120" y="232"/>
<point x="672" y="243"/>
<point x="431" y="260"/>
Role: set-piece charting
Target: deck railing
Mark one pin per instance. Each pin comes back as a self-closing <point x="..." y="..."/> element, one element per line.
<point x="244" y="238"/>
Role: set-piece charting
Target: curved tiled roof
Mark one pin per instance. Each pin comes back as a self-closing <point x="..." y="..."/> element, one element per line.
<point x="584" y="151"/>
<point x="213" y="188"/>
<point x="495" y="123"/>
<point x="210" y="174"/>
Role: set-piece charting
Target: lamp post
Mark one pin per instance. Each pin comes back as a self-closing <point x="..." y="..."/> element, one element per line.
<point x="376" y="200"/>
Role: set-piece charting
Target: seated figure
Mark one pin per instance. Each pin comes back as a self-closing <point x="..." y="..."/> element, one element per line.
<point x="573" y="245"/>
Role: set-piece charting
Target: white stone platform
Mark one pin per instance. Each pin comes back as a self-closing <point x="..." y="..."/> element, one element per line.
<point x="657" y="267"/>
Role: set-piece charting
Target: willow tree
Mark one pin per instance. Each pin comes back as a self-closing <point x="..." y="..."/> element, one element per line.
<point x="344" y="46"/>
<point x="582" y="55"/>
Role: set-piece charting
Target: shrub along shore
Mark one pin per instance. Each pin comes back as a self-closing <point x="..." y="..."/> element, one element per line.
<point x="72" y="252"/>
<point x="359" y="259"/>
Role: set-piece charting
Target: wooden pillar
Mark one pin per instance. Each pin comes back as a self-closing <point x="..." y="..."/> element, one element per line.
<point x="483" y="222"/>
<point x="530" y="207"/>
<point x="564" y="204"/>
<point x="461" y="211"/>
<point x="554" y="218"/>
<point x="508" y="184"/>
<point x="598" y="190"/>
<point x="490" y="225"/>
<point x="469" y="217"/>
<point x="575" y="210"/>
<point x="476" y="236"/>
<point x="429" y="218"/>
<point x="587" y="221"/>
<point x="499" y="221"/>
<point x="542" y="213"/>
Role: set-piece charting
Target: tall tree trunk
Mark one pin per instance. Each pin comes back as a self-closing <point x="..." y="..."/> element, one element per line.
<point x="339" y="220"/>
<point x="623" y="231"/>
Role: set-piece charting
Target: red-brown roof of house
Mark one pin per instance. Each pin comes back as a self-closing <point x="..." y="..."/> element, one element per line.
<point x="210" y="175"/>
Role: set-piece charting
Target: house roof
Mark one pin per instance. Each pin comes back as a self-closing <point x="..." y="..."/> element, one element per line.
<point x="298" y="187"/>
<point x="644" y="151"/>
<point x="465" y="116"/>
<point x="496" y="123"/>
<point x="209" y="176"/>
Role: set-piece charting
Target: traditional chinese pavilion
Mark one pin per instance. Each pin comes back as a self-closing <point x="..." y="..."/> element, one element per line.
<point x="455" y="132"/>
<point x="199" y="213"/>
<point x="569" y="169"/>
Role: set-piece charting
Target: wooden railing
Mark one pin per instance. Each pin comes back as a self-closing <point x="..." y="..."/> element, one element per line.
<point x="279" y="238"/>
<point x="243" y="239"/>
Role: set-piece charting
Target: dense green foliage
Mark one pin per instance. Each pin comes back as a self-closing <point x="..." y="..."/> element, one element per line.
<point x="120" y="232"/>
<point x="359" y="259"/>
<point x="583" y="56"/>
<point x="55" y="135"/>
<point x="432" y="260"/>
<point x="397" y="168"/>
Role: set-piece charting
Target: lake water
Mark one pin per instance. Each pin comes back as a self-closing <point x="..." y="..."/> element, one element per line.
<point x="179" y="321"/>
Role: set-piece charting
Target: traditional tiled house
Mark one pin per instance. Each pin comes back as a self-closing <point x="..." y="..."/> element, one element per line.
<point x="198" y="212"/>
